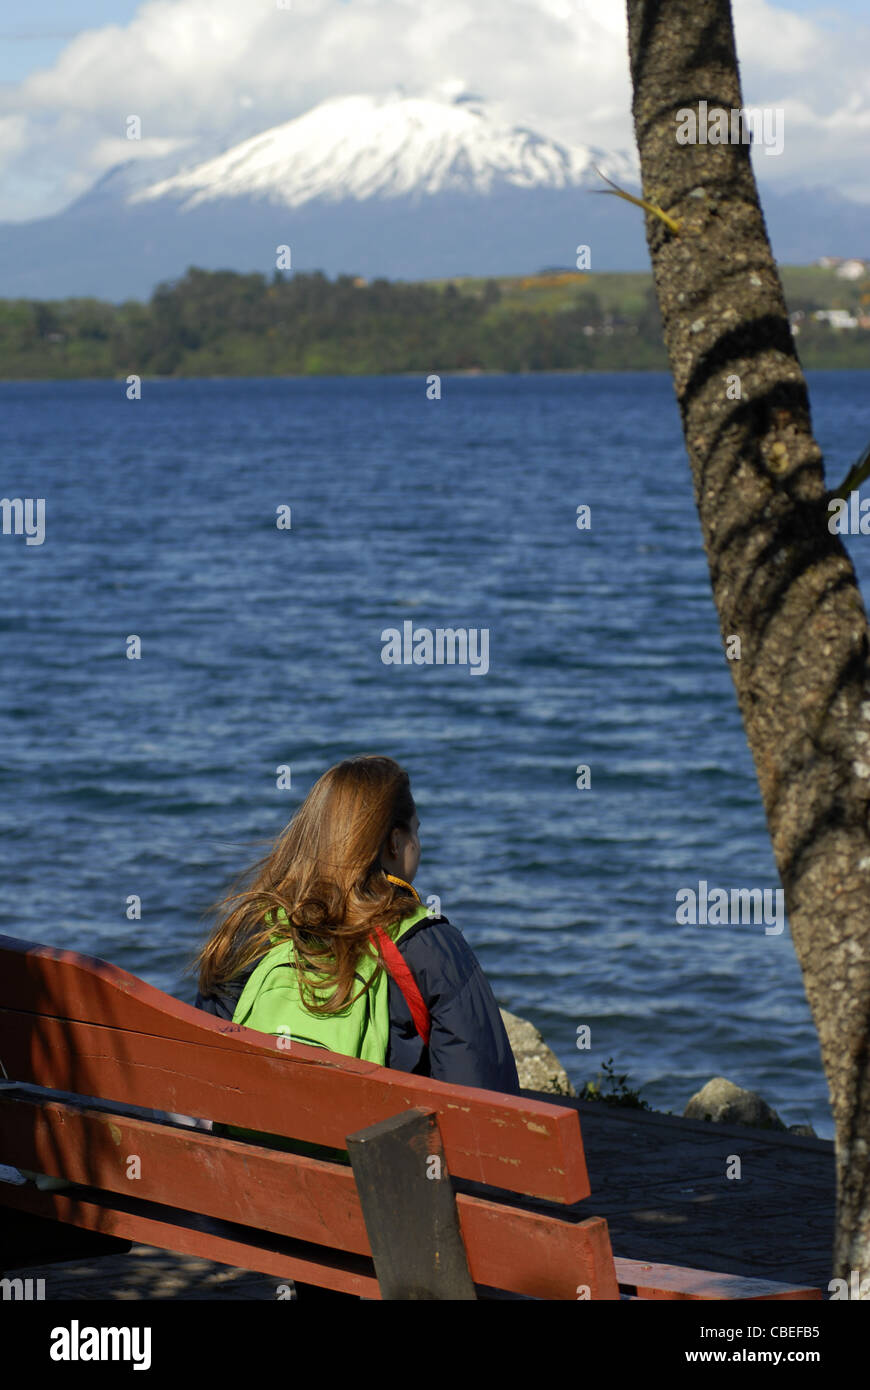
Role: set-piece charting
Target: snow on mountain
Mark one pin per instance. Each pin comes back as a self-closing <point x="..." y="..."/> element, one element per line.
<point x="393" y="146"/>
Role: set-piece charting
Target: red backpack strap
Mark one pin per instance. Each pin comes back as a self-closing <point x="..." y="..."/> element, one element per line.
<point x="401" y="973"/>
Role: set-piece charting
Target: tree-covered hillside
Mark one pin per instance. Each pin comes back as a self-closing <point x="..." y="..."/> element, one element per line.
<point x="220" y="323"/>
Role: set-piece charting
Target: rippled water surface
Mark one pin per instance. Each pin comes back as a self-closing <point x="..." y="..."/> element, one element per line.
<point x="262" y="647"/>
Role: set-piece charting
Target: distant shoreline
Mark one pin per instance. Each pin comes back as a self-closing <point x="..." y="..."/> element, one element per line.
<point x="221" y="325"/>
<point x="375" y="376"/>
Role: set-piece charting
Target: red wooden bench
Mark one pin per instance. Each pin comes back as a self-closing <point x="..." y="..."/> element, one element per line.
<point x="387" y="1225"/>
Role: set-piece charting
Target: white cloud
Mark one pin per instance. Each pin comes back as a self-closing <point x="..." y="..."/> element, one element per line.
<point x="783" y="42"/>
<point x="13" y="136"/>
<point x="223" y="70"/>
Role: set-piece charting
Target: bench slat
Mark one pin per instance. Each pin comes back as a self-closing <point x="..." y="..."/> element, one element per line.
<point x="673" y="1282"/>
<point x="290" y="1195"/>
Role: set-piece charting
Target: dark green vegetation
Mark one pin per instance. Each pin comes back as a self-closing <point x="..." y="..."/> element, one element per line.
<point x="615" y="1091"/>
<point x="219" y="323"/>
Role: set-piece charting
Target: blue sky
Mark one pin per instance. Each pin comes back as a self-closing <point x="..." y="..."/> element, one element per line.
<point x="37" y="39"/>
<point x="206" y="73"/>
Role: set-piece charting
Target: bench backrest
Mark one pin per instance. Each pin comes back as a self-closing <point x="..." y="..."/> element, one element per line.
<point x="74" y="1023"/>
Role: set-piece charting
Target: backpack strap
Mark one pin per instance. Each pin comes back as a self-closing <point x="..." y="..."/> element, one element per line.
<point x="401" y="973"/>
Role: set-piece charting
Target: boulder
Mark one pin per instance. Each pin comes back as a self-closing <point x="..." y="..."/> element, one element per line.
<point x="726" y="1104"/>
<point x="539" y="1068"/>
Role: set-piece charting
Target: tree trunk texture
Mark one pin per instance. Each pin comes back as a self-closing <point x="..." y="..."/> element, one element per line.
<point x="781" y="582"/>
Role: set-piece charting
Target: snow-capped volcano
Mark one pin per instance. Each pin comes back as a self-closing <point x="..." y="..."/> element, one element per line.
<point x="391" y="146"/>
<point x="409" y="187"/>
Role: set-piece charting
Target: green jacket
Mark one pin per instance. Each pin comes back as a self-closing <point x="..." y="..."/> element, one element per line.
<point x="270" y="1003"/>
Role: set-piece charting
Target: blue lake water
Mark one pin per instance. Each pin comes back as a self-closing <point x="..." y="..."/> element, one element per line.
<point x="262" y="647"/>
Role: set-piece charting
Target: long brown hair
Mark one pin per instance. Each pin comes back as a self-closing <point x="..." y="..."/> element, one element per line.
<point x="324" y="871"/>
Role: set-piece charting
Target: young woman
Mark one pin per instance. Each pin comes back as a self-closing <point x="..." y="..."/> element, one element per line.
<point x="330" y="943"/>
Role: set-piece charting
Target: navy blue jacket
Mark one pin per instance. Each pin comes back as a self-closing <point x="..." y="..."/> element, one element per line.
<point x="468" y="1045"/>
